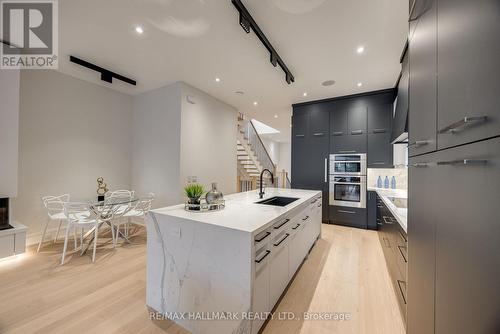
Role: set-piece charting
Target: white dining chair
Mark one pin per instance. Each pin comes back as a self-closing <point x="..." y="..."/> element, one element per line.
<point x="55" y="212"/>
<point x="136" y="215"/>
<point x="79" y="215"/>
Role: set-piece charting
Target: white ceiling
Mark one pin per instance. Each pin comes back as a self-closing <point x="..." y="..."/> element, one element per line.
<point x="198" y="40"/>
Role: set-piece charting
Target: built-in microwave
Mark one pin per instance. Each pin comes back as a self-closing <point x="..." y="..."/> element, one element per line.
<point x="348" y="164"/>
<point x="348" y="190"/>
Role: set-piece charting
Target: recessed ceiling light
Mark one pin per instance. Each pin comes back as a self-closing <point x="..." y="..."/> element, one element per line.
<point x="328" y="83"/>
<point x="304" y="94"/>
<point x="139" y="30"/>
<point x="239" y="92"/>
<point x="360" y="49"/>
<point x="217" y="79"/>
<point x="255" y="103"/>
<point x="275" y="116"/>
<point x="360" y="84"/>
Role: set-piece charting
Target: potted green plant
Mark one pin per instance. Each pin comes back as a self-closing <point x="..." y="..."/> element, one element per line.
<point x="194" y="192"/>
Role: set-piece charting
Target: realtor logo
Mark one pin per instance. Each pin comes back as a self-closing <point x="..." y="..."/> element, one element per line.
<point x="29" y="34"/>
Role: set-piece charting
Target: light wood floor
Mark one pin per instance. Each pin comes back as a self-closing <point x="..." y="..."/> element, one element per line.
<point x="345" y="272"/>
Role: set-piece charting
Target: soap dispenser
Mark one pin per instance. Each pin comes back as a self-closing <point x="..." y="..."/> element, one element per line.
<point x="386" y="182"/>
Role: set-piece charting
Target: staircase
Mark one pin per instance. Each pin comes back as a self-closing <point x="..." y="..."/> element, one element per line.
<point x="253" y="158"/>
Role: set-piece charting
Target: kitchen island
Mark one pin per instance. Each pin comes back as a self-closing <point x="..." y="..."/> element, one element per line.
<point x="223" y="272"/>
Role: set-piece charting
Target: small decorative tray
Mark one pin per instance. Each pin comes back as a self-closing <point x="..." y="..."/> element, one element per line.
<point x="204" y="206"/>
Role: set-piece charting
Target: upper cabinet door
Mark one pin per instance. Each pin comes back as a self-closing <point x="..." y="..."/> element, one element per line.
<point x="356" y="120"/>
<point x="468" y="71"/>
<point x="338" y="122"/>
<point x="300" y="123"/>
<point x="319" y="120"/>
<point x="379" y="118"/>
<point x="423" y="83"/>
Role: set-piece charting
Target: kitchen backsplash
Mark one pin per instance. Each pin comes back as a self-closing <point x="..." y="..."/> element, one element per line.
<point x="401" y="175"/>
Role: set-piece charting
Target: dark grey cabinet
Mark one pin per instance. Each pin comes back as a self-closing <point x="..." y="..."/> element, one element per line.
<point x="422" y="218"/>
<point x="348" y="130"/>
<point x="310" y="150"/>
<point x="400" y="119"/>
<point x="454" y="240"/>
<point x="348" y="144"/>
<point x="468" y="71"/>
<point x="393" y="240"/>
<point x="468" y="239"/>
<point x="380" y="150"/>
<point x="371" y="210"/>
<point x="422" y="49"/>
<point x="347" y="216"/>
<point x="379" y="147"/>
<point x="338" y="122"/>
<point x="357" y="120"/>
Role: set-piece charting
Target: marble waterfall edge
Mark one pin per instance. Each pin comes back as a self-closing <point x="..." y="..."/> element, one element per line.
<point x="195" y="272"/>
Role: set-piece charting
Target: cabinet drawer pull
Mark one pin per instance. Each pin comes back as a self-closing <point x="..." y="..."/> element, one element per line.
<point x="347" y="151"/>
<point x="377" y="163"/>
<point x="379" y="130"/>
<point x="318" y="134"/>
<point x="345" y="211"/>
<point x="267" y="234"/>
<point x="320" y="205"/>
<point x="306" y="218"/>
<point x="385" y="218"/>
<point x="314" y="201"/>
<point x="418" y="143"/>
<point x="326" y="170"/>
<point x="379" y="223"/>
<point x="357" y="132"/>
<point x="284" y="222"/>
<point x="338" y="133"/>
<point x="299" y="135"/>
<point x="401" y="252"/>
<point x="296" y="227"/>
<point x="286" y="236"/>
<point x="401" y="290"/>
<point x="464" y="162"/>
<point x="420" y="165"/>
<point x="466" y="121"/>
<point x="263" y="257"/>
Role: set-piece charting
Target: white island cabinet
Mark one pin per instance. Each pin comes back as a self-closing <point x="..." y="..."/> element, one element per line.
<point x="223" y="272"/>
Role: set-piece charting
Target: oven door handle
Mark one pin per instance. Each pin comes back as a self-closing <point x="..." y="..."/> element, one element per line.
<point x="354" y="183"/>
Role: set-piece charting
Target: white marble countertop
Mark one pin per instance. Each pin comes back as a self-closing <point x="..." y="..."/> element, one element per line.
<point x="241" y="213"/>
<point x="400" y="214"/>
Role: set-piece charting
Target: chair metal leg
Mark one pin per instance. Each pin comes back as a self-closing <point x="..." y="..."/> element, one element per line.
<point x="95" y="242"/>
<point x="81" y="238"/>
<point x="113" y="234"/>
<point x="65" y="244"/>
<point x="74" y="238"/>
<point x="43" y="235"/>
<point x="57" y="232"/>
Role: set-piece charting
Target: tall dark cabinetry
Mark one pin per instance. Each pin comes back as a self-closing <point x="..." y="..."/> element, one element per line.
<point x="310" y="145"/>
<point x="352" y="124"/>
<point x="454" y="179"/>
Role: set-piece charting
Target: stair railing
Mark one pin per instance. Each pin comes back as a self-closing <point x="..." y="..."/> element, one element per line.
<point x="258" y="147"/>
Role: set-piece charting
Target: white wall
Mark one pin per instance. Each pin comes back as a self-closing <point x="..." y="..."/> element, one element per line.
<point x="156" y="144"/>
<point x="70" y="133"/>
<point x="285" y="158"/>
<point x="9" y="128"/>
<point x="208" y="140"/>
<point x="272" y="147"/>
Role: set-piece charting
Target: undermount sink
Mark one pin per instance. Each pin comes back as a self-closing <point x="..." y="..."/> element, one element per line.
<point x="277" y="201"/>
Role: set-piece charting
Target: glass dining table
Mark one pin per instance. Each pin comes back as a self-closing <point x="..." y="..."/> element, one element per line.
<point x="106" y="211"/>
